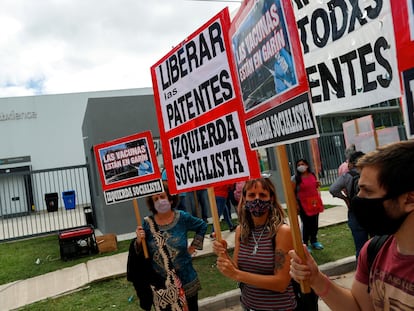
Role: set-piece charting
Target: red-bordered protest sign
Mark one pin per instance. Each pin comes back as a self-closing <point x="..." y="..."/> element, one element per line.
<point x="199" y="111"/>
<point x="271" y="74"/>
<point x="403" y="17"/>
<point x="128" y="168"/>
<point x="274" y="87"/>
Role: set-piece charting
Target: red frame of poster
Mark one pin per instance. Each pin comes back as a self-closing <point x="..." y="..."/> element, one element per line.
<point x="130" y="181"/>
<point x="232" y="106"/>
<point x="302" y="85"/>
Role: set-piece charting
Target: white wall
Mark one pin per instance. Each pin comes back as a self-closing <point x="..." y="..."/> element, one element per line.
<point x="54" y="137"/>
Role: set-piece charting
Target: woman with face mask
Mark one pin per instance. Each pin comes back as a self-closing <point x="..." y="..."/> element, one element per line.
<point x="260" y="261"/>
<point x="174" y="226"/>
<point x="306" y="187"/>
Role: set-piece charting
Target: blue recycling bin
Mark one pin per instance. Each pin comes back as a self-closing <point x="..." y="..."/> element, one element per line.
<point x="69" y="199"/>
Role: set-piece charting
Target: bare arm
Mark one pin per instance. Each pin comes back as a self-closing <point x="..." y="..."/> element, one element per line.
<point x="335" y="296"/>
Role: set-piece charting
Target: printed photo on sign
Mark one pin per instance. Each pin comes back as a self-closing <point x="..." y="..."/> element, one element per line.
<point x="126" y="160"/>
<point x="263" y="54"/>
<point x="410" y="6"/>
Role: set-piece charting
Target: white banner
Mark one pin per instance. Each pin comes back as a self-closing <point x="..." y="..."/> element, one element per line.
<point x="349" y="53"/>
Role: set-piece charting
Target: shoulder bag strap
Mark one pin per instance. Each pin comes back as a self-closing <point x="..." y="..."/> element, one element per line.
<point x="161" y="243"/>
<point x="374" y="247"/>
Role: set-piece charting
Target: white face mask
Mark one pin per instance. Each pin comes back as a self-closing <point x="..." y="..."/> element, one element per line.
<point x="162" y="206"/>
<point x="302" y="168"/>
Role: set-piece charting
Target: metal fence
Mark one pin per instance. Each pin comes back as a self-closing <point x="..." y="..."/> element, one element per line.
<point x="44" y="201"/>
<point x="33" y="202"/>
<point x="331" y="149"/>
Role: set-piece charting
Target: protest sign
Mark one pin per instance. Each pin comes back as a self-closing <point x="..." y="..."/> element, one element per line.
<point x="349" y="52"/>
<point x="408" y="101"/>
<point x="403" y="16"/>
<point x="274" y="87"/>
<point x="271" y="74"/>
<point x="128" y="168"/>
<point x="200" y="113"/>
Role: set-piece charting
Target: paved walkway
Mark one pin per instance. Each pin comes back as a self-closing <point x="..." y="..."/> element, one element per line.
<point x="23" y="292"/>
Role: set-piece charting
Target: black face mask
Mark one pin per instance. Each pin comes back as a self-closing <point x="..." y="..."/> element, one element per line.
<point x="371" y="215"/>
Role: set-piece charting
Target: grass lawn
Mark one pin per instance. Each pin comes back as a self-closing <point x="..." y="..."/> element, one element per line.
<point x="18" y="261"/>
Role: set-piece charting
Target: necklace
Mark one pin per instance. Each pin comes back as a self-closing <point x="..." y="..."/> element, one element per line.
<point x="256" y="242"/>
<point x="165" y="221"/>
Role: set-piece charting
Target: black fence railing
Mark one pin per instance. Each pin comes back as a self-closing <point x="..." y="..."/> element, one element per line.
<point x="44" y="201"/>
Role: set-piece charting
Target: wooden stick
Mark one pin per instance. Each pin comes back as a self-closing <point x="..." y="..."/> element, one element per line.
<point x="292" y="208"/>
<point x="214" y="213"/>
<point x="139" y="222"/>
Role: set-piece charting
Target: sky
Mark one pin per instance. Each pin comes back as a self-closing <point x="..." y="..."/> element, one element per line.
<point x="70" y="46"/>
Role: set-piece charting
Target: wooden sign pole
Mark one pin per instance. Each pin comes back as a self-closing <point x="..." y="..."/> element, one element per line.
<point x="292" y="208"/>
<point x="214" y="213"/>
<point x="139" y="222"/>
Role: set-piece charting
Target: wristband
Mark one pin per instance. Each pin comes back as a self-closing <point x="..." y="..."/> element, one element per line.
<point x="327" y="288"/>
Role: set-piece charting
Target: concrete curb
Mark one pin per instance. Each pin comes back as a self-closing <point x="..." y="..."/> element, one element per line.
<point x="341" y="266"/>
<point x="220" y="301"/>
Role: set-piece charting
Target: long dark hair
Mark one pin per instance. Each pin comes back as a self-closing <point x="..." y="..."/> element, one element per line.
<point x="298" y="175"/>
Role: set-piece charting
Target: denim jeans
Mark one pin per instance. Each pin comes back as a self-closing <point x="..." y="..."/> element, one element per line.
<point x="358" y="233"/>
<point x="182" y="203"/>
<point x="190" y="203"/>
<point x="204" y="205"/>
<point x="223" y="210"/>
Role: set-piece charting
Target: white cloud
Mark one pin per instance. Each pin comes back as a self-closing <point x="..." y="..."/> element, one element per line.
<point x="63" y="46"/>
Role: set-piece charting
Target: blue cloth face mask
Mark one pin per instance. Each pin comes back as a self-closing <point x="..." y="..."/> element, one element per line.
<point x="258" y="207"/>
<point x="162" y="206"/>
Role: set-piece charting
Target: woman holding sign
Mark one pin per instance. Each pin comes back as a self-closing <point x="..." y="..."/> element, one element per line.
<point x="260" y="261"/>
<point x="306" y="188"/>
<point x="165" y="233"/>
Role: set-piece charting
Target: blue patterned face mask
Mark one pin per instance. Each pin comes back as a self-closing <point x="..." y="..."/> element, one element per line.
<point x="258" y="207"/>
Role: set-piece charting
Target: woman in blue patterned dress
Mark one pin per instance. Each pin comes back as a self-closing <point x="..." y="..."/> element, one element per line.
<point x="174" y="226"/>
